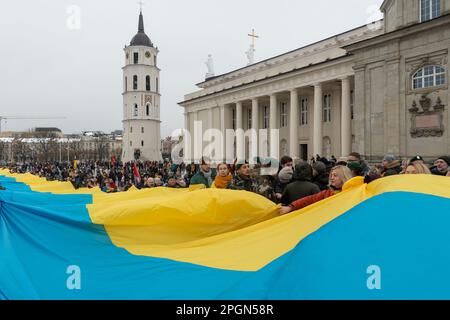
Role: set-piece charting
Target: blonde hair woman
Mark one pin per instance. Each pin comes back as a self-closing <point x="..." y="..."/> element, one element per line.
<point x="338" y="177"/>
<point x="417" y="168"/>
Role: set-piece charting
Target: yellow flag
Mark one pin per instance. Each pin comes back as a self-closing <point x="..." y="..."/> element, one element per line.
<point x="75" y="164"/>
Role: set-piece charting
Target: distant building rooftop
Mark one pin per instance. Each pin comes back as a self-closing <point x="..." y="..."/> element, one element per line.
<point x="45" y="129"/>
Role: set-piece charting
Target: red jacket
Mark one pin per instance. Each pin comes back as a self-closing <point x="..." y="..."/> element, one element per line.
<point x="307" y="201"/>
<point x="304" y="202"/>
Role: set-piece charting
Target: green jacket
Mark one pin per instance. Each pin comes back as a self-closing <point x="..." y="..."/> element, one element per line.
<point x="243" y="183"/>
<point x="199" y="178"/>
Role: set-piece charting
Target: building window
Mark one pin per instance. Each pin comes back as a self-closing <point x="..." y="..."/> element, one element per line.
<point x="147" y="83"/>
<point x="142" y="129"/>
<point x="135" y="82"/>
<point x="283" y="115"/>
<point x="131" y="129"/>
<point x="428" y="76"/>
<point x="157" y="85"/>
<point x="304" y="112"/>
<point x="131" y="143"/>
<point x="352" y="104"/>
<point x="136" y="110"/>
<point x="142" y="143"/>
<point x="136" y="58"/>
<point x="327" y="108"/>
<point x="429" y="9"/>
<point x="233" y="119"/>
<point x="249" y="123"/>
<point x="126" y="84"/>
<point x="147" y="110"/>
<point x="266" y="114"/>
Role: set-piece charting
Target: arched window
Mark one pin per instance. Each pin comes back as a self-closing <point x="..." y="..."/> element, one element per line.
<point x="283" y="114"/>
<point x="428" y="76"/>
<point x="304" y="112"/>
<point x="429" y="9"/>
<point x="136" y="110"/>
<point x="147" y="83"/>
<point x="266" y="117"/>
<point x="147" y="110"/>
<point x="135" y="82"/>
<point x="327" y="108"/>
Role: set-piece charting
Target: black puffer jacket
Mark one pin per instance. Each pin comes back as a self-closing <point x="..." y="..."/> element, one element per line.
<point x="393" y="168"/>
<point x="302" y="185"/>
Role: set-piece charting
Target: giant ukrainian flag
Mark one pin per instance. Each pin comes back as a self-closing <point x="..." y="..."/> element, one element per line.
<point x="386" y="240"/>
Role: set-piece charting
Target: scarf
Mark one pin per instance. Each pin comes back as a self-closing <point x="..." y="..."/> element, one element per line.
<point x="223" y="182"/>
<point x="207" y="175"/>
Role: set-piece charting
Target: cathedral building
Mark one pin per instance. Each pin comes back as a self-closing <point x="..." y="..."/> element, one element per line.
<point x="377" y="89"/>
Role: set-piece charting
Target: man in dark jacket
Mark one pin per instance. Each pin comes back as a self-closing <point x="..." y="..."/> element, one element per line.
<point x="302" y="185"/>
<point x="320" y="175"/>
<point x="441" y="166"/>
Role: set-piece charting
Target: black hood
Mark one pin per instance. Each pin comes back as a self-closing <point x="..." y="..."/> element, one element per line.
<point x="303" y="172"/>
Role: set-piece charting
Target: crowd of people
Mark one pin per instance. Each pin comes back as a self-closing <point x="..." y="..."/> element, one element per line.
<point x="294" y="186"/>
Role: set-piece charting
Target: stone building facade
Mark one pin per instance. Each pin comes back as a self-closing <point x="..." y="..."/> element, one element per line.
<point x="377" y="89"/>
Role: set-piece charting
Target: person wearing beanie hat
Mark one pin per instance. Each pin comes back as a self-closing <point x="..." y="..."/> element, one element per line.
<point x="391" y="166"/>
<point x="320" y="176"/>
<point x="355" y="167"/>
<point x="441" y="166"/>
<point x="417" y="159"/>
<point x="302" y="186"/>
<point x="319" y="167"/>
<point x="242" y="179"/>
<point x="389" y="158"/>
<point x="285" y="175"/>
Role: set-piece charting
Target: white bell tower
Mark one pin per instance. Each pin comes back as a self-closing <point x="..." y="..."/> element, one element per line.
<point x="141" y="100"/>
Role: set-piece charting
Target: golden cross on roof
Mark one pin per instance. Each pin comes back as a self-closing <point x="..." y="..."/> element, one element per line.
<point x="254" y="36"/>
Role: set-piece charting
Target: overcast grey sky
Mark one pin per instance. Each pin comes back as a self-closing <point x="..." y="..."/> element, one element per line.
<point x="48" y="69"/>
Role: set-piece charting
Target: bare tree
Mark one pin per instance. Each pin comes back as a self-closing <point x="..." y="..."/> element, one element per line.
<point x="47" y="147"/>
<point x="102" y="147"/>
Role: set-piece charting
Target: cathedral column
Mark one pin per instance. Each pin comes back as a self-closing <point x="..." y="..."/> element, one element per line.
<point x="274" y="137"/>
<point x="197" y="138"/>
<point x="317" y="125"/>
<point x="187" y="138"/>
<point x="346" y="121"/>
<point x="293" y="124"/>
<point x="255" y="129"/>
<point x="240" y="150"/>
<point x="210" y="119"/>
<point x="223" y="131"/>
